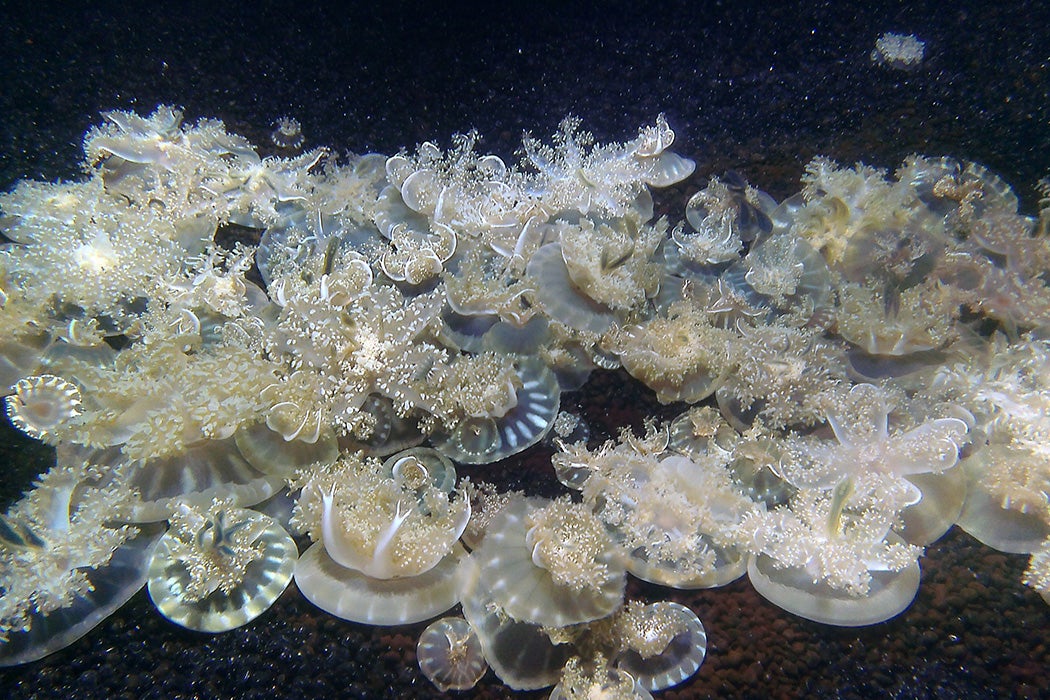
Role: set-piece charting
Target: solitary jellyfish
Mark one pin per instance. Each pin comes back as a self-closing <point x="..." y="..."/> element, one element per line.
<point x="532" y="408"/>
<point x="388" y="540"/>
<point x="450" y="655"/>
<point x="221" y="568"/>
<point x="287" y="134"/>
<point x="551" y="563"/>
<point x="664" y="644"/>
<point x="42" y="403"/>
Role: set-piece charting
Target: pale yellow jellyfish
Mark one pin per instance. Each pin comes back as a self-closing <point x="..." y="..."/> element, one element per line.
<point x="388" y="542"/>
<point x="551" y="563"/>
<point x="221" y="567"/>
<point x="661" y="644"/>
<point x="450" y="655"/>
<point x="42" y="403"/>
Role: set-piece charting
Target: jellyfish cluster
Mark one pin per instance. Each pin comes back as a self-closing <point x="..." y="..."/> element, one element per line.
<point x="853" y="370"/>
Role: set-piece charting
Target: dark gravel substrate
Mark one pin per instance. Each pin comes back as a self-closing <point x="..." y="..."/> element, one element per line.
<point x="746" y="87"/>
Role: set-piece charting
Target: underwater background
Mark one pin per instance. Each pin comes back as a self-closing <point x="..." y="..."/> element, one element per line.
<point x="746" y="87"/>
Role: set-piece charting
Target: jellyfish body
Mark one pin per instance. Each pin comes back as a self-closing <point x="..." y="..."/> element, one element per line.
<point x="664" y="644"/>
<point x="219" y="570"/>
<point x="450" y="655"/>
<point x="40" y="404"/>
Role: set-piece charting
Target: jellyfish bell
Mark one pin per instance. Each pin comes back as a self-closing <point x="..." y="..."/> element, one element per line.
<point x="406" y="538"/>
<point x="211" y="469"/>
<point x="353" y="596"/>
<point x="996" y="511"/>
<point x="490" y="438"/>
<point x="560" y="298"/>
<point x="42" y="403"/>
<point x="450" y="655"/>
<point x="551" y="563"/>
<point x="287" y="134"/>
<point x="219" y="569"/>
<point x="520" y="653"/>
<point x="67" y="562"/>
<point x="664" y="644"/>
<point x="20" y="356"/>
<point x="419" y="468"/>
<point x="387" y="547"/>
<point x="943" y="496"/>
<point x="272" y="454"/>
<point x="793" y="589"/>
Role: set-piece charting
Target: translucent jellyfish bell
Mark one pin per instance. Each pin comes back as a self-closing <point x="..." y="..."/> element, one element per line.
<point x="663" y="167"/>
<point x="418" y="468"/>
<point x="483" y="440"/>
<point x="1013" y="521"/>
<point x="383" y="527"/>
<point x="397" y="169"/>
<point x="699" y="430"/>
<point x="393" y="215"/>
<point x="520" y="653"/>
<point x="65" y="567"/>
<point x="669" y="516"/>
<point x="420" y="191"/>
<point x="754" y="470"/>
<point x="42" y="403"/>
<point x="784" y="272"/>
<point x="217" y="570"/>
<point x="65" y="356"/>
<point x="569" y="428"/>
<point x="682" y="356"/>
<point x="941" y="183"/>
<point x="668" y="168"/>
<point x="466" y="330"/>
<point x="351" y="595"/>
<point x="390" y="432"/>
<point x="540" y="573"/>
<point x="212" y="469"/>
<point x="727" y="565"/>
<point x="417" y="257"/>
<point x="389" y="546"/>
<point x="108" y="588"/>
<point x="511" y="339"/>
<point x="583" y="681"/>
<point x="20" y="356"/>
<point x="270" y="453"/>
<point x="793" y="589"/>
<point x="287" y="134"/>
<point x="558" y="296"/>
<point x="665" y="644"/>
<point x="450" y="655"/>
<point x="942" y="501"/>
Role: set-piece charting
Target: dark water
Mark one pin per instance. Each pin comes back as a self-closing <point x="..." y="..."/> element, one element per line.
<point x="746" y="87"/>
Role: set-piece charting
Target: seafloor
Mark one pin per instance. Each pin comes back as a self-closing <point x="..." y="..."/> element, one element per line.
<point x="746" y="87"/>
